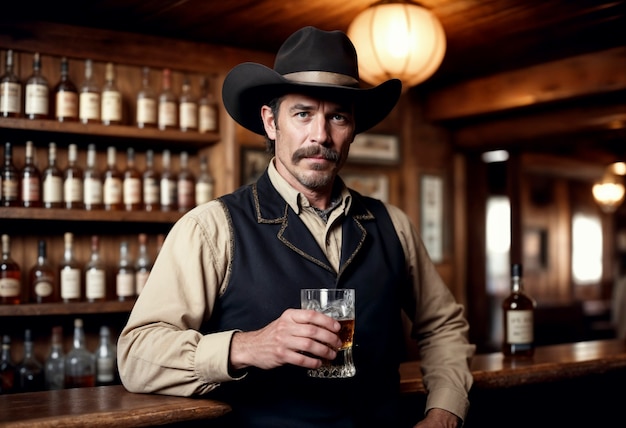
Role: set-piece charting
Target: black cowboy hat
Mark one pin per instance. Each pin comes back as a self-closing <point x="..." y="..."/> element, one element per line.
<point x="313" y="62"/>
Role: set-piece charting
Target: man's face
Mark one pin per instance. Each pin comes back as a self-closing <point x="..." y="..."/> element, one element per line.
<point x="312" y="140"/>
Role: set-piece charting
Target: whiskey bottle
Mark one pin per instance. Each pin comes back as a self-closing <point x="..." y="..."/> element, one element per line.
<point x="30" y="373"/>
<point x="204" y="183"/>
<point x="10" y="90"/>
<point x="70" y="272"/>
<point x="90" y="97"/>
<point x="131" y="183"/>
<point x="37" y="98"/>
<point x="10" y="276"/>
<point x="168" y="104"/>
<point x="95" y="274"/>
<point x="106" y="359"/>
<point x="92" y="182"/>
<point x="168" y="184"/>
<point x="80" y="364"/>
<point x="73" y="181"/>
<point x="112" y="187"/>
<point x="43" y="288"/>
<point x="188" y="110"/>
<point x="151" y="190"/>
<point x="30" y="179"/>
<point x="518" y="311"/>
<point x="7" y="367"/>
<point x="143" y="265"/>
<point x="146" y="103"/>
<point x="54" y="366"/>
<point x="111" y="98"/>
<point x="125" y="275"/>
<point x="185" y="185"/>
<point x="52" y="195"/>
<point x="10" y="179"/>
<point x="207" y="108"/>
<point x="65" y="96"/>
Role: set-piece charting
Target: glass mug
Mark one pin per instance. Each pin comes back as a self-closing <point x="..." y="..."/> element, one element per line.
<point x="337" y="303"/>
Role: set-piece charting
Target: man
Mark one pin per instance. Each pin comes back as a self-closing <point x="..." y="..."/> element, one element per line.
<point x="219" y="315"/>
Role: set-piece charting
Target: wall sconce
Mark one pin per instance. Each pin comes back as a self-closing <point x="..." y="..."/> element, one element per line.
<point x="397" y="39"/>
<point x="610" y="190"/>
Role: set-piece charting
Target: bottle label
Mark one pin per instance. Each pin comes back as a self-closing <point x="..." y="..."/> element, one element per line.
<point x="188" y="116"/>
<point x="185" y="192"/>
<point x="125" y="284"/>
<point x="31" y="189"/>
<point x="95" y="284"/>
<point x="168" y="192"/>
<point x="9" y="190"/>
<point x="519" y="327"/>
<point x="141" y="277"/>
<point x="167" y="114"/>
<point x="104" y="369"/>
<point x="10" y="97"/>
<point x="73" y="190"/>
<point x="66" y="104"/>
<point x="53" y="189"/>
<point x="9" y="287"/>
<point x="146" y="111"/>
<point x="208" y="118"/>
<point x="36" y="99"/>
<point x="204" y="192"/>
<point x="132" y="191"/>
<point x="70" y="283"/>
<point x="112" y="191"/>
<point x="150" y="191"/>
<point x="92" y="191"/>
<point x="111" y="106"/>
<point x="89" y="106"/>
<point x="43" y="287"/>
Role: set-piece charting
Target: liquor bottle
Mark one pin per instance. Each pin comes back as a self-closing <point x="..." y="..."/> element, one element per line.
<point x="70" y="272"/>
<point x="151" y="190"/>
<point x="143" y="265"/>
<point x="30" y="375"/>
<point x="168" y="184"/>
<point x="131" y="185"/>
<point x="146" y="103"/>
<point x="10" y="276"/>
<point x="54" y="366"/>
<point x="89" y="99"/>
<point x="43" y="283"/>
<point x="65" y="96"/>
<point x="10" y="90"/>
<point x="95" y="274"/>
<point x="73" y="181"/>
<point x="112" y="187"/>
<point x="80" y="364"/>
<point x="106" y="359"/>
<point x="204" y="183"/>
<point x="518" y="311"/>
<point x="10" y="179"/>
<point x="111" y="98"/>
<point x="188" y="108"/>
<point x="92" y="182"/>
<point x="30" y="179"/>
<point x="125" y="275"/>
<point x="160" y="240"/>
<point x="207" y="108"/>
<point x="7" y="367"/>
<point x="52" y="179"/>
<point x="37" y="99"/>
<point x="185" y="185"/>
<point x="168" y="104"/>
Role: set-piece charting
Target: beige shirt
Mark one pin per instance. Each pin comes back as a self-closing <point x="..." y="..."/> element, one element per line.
<point x="161" y="350"/>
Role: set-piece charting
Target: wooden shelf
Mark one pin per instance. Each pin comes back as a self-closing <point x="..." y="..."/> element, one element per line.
<point x="33" y="309"/>
<point x="60" y="214"/>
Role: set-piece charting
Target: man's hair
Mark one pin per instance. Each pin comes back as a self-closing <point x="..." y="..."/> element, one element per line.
<point x="274" y="105"/>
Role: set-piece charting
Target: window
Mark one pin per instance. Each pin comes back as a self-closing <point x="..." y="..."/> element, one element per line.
<point x="586" y="249"/>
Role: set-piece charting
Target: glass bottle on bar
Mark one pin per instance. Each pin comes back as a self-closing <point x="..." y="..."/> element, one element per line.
<point x="518" y="311"/>
<point x="73" y="181"/>
<point x="54" y="366"/>
<point x="65" y="96"/>
<point x="131" y="185"/>
<point x="92" y="182"/>
<point x="188" y="108"/>
<point x="151" y="184"/>
<point x="10" y="179"/>
<point x="106" y="359"/>
<point x="168" y="184"/>
<point x="10" y="89"/>
<point x="8" y="368"/>
<point x="125" y="275"/>
<point x="111" y="98"/>
<point x="80" y="364"/>
<point x="207" y="108"/>
<point x="37" y="98"/>
<point x="143" y="265"/>
<point x="70" y="272"/>
<point x="95" y="274"/>
<point x="52" y="195"/>
<point x="204" y="183"/>
<point x="168" y="104"/>
<point x="30" y="372"/>
<point x="146" y="102"/>
<point x="10" y="276"/>
<point x="90" y="97"/>
<point x="112" y="187"/>
<point x="43" y="282"/>
<point x="30" y="179"/>
<point x="185" y="185"/>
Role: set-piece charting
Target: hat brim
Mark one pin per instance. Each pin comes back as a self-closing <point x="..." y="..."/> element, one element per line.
<point x="250" y="86"/>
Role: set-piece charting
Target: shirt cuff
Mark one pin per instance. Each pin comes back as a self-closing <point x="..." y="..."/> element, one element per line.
<point x="448" y="399"/>
<point x="212" y="359"/>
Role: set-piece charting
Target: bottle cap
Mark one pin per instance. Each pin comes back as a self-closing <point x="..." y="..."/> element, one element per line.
<point x="516" y="270"/>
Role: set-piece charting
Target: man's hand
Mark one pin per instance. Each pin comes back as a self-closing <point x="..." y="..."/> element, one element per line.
<point x="299" y="337"/>
<point x="439" y="418"/>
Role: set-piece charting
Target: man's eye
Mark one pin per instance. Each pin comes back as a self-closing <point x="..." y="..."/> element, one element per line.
<point x="302" y="114"/>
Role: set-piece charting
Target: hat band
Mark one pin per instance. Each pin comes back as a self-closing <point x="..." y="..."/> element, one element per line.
<point x="322" y="77"/>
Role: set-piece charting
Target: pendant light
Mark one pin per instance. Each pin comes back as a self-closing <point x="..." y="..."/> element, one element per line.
<point x="609" y="192"/>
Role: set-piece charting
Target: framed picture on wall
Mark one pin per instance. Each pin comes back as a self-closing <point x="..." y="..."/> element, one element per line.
<point x="375" y="149"/>
<point x="432" y="214"/>
<point x="374" y="185"/>
<point x="253" y="163"/>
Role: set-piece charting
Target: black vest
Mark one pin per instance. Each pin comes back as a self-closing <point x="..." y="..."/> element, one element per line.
<point x="274" y="257"/>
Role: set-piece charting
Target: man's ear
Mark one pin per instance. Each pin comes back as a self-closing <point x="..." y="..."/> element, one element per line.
<point x="269" y="122"/>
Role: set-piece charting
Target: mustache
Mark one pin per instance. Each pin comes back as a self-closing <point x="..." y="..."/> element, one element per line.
<point x="324" y="152"/>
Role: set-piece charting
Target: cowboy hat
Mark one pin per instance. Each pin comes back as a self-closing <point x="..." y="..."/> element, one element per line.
<point x="313" y="62"/>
